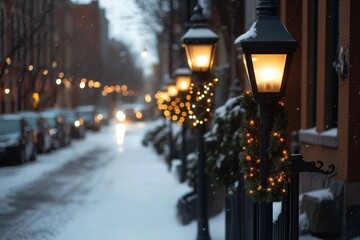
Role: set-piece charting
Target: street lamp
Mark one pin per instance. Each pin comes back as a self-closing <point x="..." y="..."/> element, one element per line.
<point x="267" y="50"/>
<point x="172" y="93"/>
<point x="200" y="45"/>
<point x="183" y="81"/>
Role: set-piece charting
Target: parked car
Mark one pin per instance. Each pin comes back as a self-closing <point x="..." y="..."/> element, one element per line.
<point x="41" y="128"/>
<point x="17" y="140"/>
<point x="60" y="129"/>
<point x="131" y="112"/>
<point x="90" y="115"/>
<point x="77" y="123"/>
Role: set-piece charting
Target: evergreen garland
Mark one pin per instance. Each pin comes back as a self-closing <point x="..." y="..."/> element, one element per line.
<point x="222" y="143"/>
<point x="233" y="146"/>
<point x="280" y="168"/>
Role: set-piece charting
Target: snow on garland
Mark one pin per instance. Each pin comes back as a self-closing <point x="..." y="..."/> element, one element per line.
<point x="280" y="168"/>
<point x="222" y="143"/>
<point x="236" y="132"/>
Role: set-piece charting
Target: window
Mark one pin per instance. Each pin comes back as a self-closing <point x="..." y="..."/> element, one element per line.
<point x="313" y="48"/>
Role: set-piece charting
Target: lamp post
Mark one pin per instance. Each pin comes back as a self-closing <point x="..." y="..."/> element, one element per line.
<point x="267" y="50"/>
<point x="171" y="92"/>
<point x="200" y="45"/>
<point x="183" y="81"/>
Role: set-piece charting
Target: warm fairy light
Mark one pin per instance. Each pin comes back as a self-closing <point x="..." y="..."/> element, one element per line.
<point x="277" y="179"/>
<point x="82" y="85"/>
<point x="124" y="88"/>
<point x="147" y="98"/>
<point x="97" y="84"/>
<point x="91" y="83"/>
<point x="30" y="68"/>
<point x="8" y="60"/>
<point x="7" y="91"/>
<point x="61" y="75"/>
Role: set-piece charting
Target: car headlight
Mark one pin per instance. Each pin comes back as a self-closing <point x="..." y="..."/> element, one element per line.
<point x="77" y="123"/>
<point x="120" y="116"/>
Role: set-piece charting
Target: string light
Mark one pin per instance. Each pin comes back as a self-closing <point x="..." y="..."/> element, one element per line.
<point x="201" y="102"/>
<point x="280" y="170"/>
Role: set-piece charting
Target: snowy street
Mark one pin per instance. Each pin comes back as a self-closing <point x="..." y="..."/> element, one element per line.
<point x="107" y="186"/>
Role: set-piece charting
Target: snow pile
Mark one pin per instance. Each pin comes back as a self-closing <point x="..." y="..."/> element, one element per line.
<point x="276" y="210"/>
<point x="303" y="223"/>
<point x="323" y="194"/>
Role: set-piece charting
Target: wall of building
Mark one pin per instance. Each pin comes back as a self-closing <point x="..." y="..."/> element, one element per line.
<point x="88" y="41"/>
<point x="320" y="140"/>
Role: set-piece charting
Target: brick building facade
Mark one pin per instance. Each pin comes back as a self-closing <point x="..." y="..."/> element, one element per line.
<point x="89" y="41"/>
<point x="324" y="99"/>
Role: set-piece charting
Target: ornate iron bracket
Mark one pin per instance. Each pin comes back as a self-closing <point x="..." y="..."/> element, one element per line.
<point x="299" y="165"/>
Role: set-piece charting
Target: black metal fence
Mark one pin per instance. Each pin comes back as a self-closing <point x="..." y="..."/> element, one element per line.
<point x="242" y="212"/>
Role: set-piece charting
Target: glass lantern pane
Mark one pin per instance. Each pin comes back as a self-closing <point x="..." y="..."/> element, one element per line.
<point x="183" y="83"/>
<point x="269" y="71"/>
<point x="172" y="90"/>
<point x="246" y="68"/>
<point x="199" y="56"/>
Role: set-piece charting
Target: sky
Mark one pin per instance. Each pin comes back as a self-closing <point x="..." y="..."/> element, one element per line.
<point x="126" y="25"/>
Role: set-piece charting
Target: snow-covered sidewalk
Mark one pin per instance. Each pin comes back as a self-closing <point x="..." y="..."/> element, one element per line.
<point x="137" y="199"/>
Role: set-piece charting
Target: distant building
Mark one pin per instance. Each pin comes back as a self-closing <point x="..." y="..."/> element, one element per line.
<point x="89" y="41"/>
<point x="31" y="52"/>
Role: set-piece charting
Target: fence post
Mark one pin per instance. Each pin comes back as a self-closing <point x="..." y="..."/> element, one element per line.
<point x="299" y="165"/>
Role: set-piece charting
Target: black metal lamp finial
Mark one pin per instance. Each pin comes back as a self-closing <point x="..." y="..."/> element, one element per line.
<point x="267" y="8"/>
<point x="198" y="16"/>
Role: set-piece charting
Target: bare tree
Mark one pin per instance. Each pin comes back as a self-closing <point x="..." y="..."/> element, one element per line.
<point x="27" y="32"/>
<point x="24" y="41"/>
<point x="156" y="13"/>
